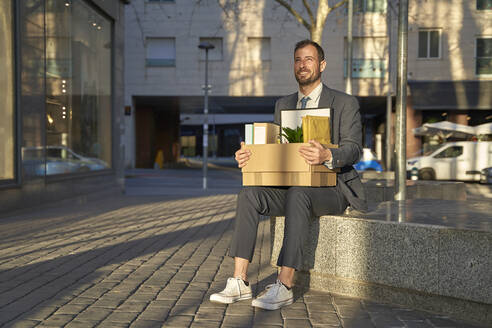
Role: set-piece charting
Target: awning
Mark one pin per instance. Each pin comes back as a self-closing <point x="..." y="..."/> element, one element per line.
<point x="219" y="119"/>
<point x="451" y="95"/>
<point x="445" y="130"/>
<point x="483" y="129"/>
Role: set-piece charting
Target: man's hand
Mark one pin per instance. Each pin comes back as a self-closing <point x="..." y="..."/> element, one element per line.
<point x="315" y="154"/>
<point x="242" y="156"/>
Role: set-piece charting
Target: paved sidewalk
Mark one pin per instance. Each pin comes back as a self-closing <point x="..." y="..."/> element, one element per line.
<point x="153" y="261"/>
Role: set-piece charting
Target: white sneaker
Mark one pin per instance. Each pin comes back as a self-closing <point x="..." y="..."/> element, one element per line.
<point x="235" y="290"/>
<point x="275" y="296"/>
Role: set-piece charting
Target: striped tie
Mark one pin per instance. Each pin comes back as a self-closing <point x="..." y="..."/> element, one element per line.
<point x="304" y="101"/>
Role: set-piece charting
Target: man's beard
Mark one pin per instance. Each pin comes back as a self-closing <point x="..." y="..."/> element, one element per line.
<point x="308" y="80"/>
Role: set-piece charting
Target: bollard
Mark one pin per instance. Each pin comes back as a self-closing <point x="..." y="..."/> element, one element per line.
<point x="159" y="160"/>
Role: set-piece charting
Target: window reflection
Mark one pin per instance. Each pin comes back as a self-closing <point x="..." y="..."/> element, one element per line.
<point x="78" y="83"/>
<point x="6" y="92"/>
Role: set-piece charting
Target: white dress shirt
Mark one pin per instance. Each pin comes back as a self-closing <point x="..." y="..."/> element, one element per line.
<point x="313" y="103"/>
<point x="313" y="97"/>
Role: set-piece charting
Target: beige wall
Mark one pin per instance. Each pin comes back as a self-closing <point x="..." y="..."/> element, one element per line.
<point x="460" y="24"/>
<point x="237" y="75"/>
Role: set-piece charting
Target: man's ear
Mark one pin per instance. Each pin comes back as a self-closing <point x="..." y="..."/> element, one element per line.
<point x="322" y="65"/>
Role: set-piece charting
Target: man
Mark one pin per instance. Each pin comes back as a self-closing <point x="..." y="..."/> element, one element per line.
<point x="298" y="204"/>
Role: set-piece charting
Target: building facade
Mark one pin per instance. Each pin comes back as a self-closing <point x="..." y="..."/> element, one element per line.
<point x="61" y="86"/>
<point x="251" y="66"/>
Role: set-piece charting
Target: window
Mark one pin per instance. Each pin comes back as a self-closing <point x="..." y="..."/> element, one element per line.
<point x="450" y="152"/>
<point x="188" y="146"/>
<point x="215" y="53"/>
<point x="368" y="57"/>
<point x="484" y="4"/>
<point x="429" y="44"/>
<point x="369" y="6"/>
<point x="484" y="56"/>
<point x="6" y="92"/>
<point x="259" y="48"/>
<point x="78" y="89"/>
<point x="161" y="52"/>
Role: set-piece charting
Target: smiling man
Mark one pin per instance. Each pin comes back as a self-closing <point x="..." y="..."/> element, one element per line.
<point x="297" y="204"/>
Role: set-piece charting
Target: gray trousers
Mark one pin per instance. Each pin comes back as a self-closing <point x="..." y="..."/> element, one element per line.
<point x="297" y="204"/>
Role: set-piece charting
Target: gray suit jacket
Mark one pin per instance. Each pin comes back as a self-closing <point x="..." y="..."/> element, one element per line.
<point x="346" y="131"/>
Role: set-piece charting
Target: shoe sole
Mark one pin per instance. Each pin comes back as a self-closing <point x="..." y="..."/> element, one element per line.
<point x="223" y="300"/>
<point x="272" y="306"/>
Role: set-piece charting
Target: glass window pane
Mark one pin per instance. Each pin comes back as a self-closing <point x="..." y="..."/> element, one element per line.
<point x="6" y="92"/>
<point x="484" y="4"/>
<point x="434" y="44"/>
<point x="78" y="78"/>
<point x="161" y="52"/>
<point x="370" y="6"/>
<point x="358" y="6"/>
<point x="484" y="47"/>
<point x="216" y="52"/>
<point x="484" y="66"/>
<point x="32" y="91"/>
<point x="423" y="44"/>
<point x="450" y="152"/>
<point x="484" y="57"/>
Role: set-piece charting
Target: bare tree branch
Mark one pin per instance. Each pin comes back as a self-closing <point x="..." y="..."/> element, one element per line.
<point x="308" y="8"/>
<point x="297" y="16"/>
<point x="139" y="23"/>
<point x="339" y="4"/>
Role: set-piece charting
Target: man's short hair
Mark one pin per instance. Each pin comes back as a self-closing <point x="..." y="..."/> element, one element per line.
<point x="307" y="42"/>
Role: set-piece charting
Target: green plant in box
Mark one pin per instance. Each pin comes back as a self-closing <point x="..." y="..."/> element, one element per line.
<point x="293" y="135"/>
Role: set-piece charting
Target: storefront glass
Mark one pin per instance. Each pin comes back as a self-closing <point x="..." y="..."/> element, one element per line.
<point x="78" y="88"/>
<point x="32" y="89"/>
<point x="7" y="153"/>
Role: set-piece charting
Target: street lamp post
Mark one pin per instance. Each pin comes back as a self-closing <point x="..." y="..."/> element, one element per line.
<point x="401" y="104"/>
<point x="348" y="87"/>
<point x="207" y="46"/>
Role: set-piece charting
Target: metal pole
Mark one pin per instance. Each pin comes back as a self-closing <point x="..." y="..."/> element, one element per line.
<point x="389" y="150"/>
<point x="348" y="87"/>
<point x="389" y="104"/>
<point x="205" y="125"/>
<point x="401" y="103"/>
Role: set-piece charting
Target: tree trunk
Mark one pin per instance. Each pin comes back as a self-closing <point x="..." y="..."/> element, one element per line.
<point x="316" y="24"/>
<point x="316" y="34"/>
<point x="321" y="15"/>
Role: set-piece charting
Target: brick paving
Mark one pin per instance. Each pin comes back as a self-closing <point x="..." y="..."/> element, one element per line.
<point x="153" y="262"/>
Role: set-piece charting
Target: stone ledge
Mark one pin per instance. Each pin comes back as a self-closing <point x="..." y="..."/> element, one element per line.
<point x="428" y="267"/>
<point x="380" y="190"/>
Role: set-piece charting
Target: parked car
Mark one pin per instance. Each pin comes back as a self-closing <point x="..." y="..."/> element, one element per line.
<point x="461" y="160"/>
<point x="59" y="160"/>
<point x="368" y="162"/>
<point x="486" y="175"/>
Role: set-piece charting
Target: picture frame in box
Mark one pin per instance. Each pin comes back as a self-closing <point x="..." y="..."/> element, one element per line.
<point x="292" y="118"/>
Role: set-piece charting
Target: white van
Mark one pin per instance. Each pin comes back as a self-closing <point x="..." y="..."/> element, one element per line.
<point x="461" y="160"/>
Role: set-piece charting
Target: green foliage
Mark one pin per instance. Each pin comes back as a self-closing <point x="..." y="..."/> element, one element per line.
<point x="293" y="136"/>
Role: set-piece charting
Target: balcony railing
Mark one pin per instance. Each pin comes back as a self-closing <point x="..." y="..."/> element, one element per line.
<point x="367" y="68"/>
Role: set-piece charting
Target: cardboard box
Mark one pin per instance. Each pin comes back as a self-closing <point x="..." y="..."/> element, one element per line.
<point x="282" y="165"/>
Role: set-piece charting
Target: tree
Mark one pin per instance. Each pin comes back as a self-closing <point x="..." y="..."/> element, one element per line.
<point x="315" y="23"/>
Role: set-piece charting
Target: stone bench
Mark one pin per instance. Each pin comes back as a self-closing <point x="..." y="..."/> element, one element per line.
<point x="436" y="255"/>
<point x="381" y="190"/>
